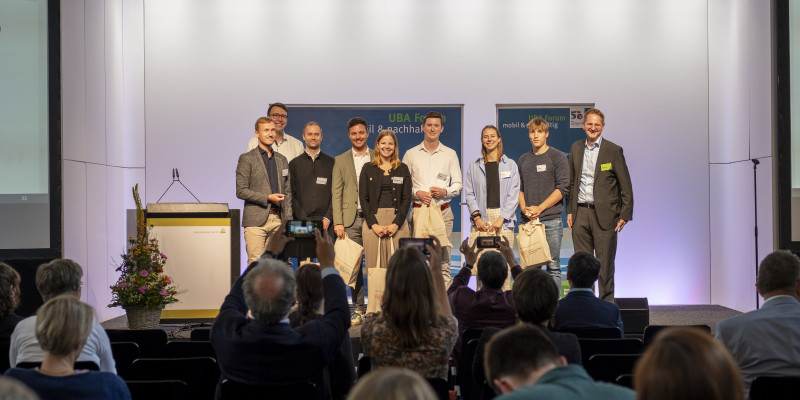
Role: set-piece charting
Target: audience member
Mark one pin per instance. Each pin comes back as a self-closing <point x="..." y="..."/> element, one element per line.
<point x="60" y="276"/>
<point x="265" y="349"/>
<point x="522" y="363"/>
<point x="490" y="306"/>
<point x="340" y="374"/>
<point x="765" y="341"/>
<point x="12" y="389"/>
<point x="686" y="363"/>
<point x="9" y="301"/>
<point x="392" y="384"/>
<point x="63" y="325"/>
<point x="581" y="308"/>
<point x="416" y="328"/>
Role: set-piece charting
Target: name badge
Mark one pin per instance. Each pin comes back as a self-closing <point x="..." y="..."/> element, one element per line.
<point x="397" y="180"/>
<point x="322" y="180"/>
<point x="441" y="177"/>
<point x="505" y="174"/>
<point x="605" y="167"/>
<point x="285" y="172"/>
<point x="541" y="168"/>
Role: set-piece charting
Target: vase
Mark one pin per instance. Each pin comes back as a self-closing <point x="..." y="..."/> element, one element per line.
<point x="143" y="317"/>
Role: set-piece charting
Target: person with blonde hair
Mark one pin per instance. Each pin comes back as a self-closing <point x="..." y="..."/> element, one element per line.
<point x="416" y="328"/>
<point x="63" y="325"/>
<point x="392" y="384"/>
<point x="384" y="189"/>
<point x="684" y="364"/>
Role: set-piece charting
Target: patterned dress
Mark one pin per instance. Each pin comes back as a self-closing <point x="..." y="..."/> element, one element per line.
<point x="430" y="359"/>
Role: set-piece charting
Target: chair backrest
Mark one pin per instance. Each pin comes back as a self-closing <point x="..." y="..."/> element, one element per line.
<point x="775" y="387"/>
<point x="590" y="347"/>
<point x="200" y="373"/>
<point x="602" y="332"/>
<point x="176" y="349"/>
<point x="625" y="380"/>
<point x="124" y="353"/>
<point x="466" y="380"/>
<point x="231" y="390"/>
<point x="651" y="331"/>
<point x="440" y="387"/>
<point x="163" y="389"/>
<point x="607" y="367"/>
<point x="88" y="365"/>
<point x="151" y="341"/>
<point x="4" y="361"/>
<point x="201" y="334"/>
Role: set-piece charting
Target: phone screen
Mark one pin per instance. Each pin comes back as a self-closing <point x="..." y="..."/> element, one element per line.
<point x="418" y="243"/>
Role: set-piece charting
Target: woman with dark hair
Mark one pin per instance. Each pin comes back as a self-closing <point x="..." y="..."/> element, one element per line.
<point x="687" y="364"/>
<point x="384" y="189"/>
<point x="416" y="328"/>
<point x="9" y="301"/>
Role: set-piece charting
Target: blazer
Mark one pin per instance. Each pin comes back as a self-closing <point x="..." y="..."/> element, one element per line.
<point x="475" y="190"/>
<point x="581" y="309"/>
<point x="369" y="190"/>
<point x="613" y="191"/>
<point x="345" y="188"/>
<point x="252" y="186"/>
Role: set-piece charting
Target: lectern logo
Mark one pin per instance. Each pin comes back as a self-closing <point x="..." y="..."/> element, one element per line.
<point x="222" y="230"/>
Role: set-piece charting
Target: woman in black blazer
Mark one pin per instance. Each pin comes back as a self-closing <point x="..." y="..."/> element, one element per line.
<point x="384" y="189"/>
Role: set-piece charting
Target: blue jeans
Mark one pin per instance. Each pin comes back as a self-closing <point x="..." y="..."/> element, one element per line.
<point x="553" y="230"/>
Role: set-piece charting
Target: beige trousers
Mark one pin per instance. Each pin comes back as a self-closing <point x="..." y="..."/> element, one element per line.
<point x="256" y="238"/>
<point x="373" y="244"/>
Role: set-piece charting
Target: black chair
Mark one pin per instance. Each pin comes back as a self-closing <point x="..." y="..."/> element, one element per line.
<point x="607" y="367"/>
<point x="151" y="390"/>
<point x="236" y="390"/>
<point x="5" y="363"/>
<point x="200" y="334"/>
<point x="200" y="373"/>
<point x="440" y="387"/>
<point x="590" y="347"/>
<point x="775" y="388"/>
<point x="466" y="381"/>
<point x="602" y="332"/>
<point x="625" y="380"/>
<point x="151" y="341"/>
<point x="88" y="365"/>
<point x="124" y="353"/>
<point x="651" y="331"/>
<point x="176" y="349"/>
<point x="364" y="366"/>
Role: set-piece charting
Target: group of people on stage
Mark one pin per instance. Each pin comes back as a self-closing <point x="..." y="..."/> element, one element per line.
<point x="366" y="193"/>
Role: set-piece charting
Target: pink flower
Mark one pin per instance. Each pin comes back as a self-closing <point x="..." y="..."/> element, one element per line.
<point x="163" y="292"/>
<point x="163" y="256"/>
<point x="143" y="273"/>
<point x="142" y="289"/>
<point x="123" y="284"/>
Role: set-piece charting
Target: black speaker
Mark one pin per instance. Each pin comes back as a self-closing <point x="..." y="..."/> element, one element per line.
<point x="635" y="314"/>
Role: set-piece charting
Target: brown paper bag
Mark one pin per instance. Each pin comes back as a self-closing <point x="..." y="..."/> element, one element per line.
<point x="348" y="259"/>
<point x="376" y="280"/>
<point x="532" y="242"/>
<point x="428" y="222"/>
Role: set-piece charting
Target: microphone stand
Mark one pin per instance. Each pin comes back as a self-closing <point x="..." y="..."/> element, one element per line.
<point x="176" y="177"/>
<point x="755" y="219"/>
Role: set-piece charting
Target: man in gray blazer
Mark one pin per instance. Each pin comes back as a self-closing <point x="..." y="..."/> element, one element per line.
<point x="262" y="181"/>
<point x="764" y="342"/>
<point x="600" y="199"/>
<point x="347" y="216"/>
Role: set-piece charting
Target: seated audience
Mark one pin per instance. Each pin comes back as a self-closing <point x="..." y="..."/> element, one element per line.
<point x="392" y="384"/>
<point x="686" y="363"/>
<point x="265" y="349"/>
<point x="9" y="301"/>
<point x="490" y="306"/>
<point x="13" y="389"/>
<point x="522" y="363"/>
<point x="764" y="342"/>
<point x="63" y="325"/>
<point x="340" y="374"/>
<point x="416" y="328"/>
<point x="60" y="276"/>
<point x="580" y="308"/>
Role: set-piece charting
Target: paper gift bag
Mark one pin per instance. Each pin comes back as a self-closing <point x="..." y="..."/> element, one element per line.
<point x="428" y="222"/>
<point x="532" y="242"/>
<point x="376" y="279"/>
<point x="348" y="259"/>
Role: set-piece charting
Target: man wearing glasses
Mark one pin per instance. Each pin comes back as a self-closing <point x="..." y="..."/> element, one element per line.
<point x="285" y="144"/>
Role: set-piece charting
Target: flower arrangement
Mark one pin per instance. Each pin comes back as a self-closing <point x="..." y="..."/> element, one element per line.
<point x="142" y="282"/>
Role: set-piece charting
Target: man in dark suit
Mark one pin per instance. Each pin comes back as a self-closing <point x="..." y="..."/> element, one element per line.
<point x="601" y="197"/>
<point x="580" y="308"/>
<point x="264" y="349"/>
<point x="764" y="342"/>
<point x="262" y="181"/>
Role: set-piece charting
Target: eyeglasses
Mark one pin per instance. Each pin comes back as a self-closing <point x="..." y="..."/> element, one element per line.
<point x="279" y="116"/>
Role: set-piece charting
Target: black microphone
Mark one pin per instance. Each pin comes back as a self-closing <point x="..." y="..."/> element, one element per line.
<point x="755" y="161"/>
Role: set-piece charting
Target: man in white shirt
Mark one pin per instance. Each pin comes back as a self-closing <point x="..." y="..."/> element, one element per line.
<point x="285" y="144"/>
<point x="436" y="178"/>
<point x="347" y="215"/>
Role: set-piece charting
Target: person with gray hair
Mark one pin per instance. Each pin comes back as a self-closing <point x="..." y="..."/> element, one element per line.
<point x="63" y="325"/>
<point x="9" y="300"/>
<point x="58" y="277"/>
<point x="764" y="342"/>
<point x="265" y="349"/>
<point x="13" y="389"/>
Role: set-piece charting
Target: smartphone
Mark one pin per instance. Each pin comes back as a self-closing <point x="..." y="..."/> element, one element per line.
<point x="302" y="229"/>
<point x="488" y="242"/>
<point x="418" y="243"/>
